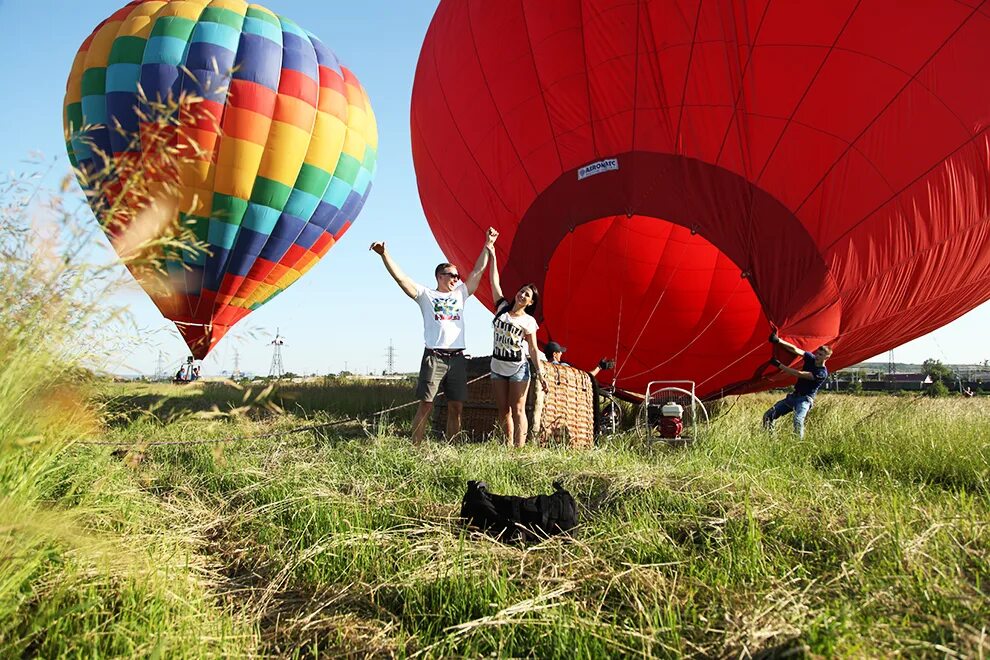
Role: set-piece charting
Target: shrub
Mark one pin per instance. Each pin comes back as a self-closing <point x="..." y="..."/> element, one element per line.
<point x="937" y="389"/>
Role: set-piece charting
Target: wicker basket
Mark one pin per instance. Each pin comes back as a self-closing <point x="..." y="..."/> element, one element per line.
<point x="564" y="415"/>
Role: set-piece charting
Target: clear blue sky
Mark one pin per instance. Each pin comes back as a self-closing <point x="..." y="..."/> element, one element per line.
<point x="347" y="309"/>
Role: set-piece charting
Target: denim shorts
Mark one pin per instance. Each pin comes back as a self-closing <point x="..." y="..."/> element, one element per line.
<point x="518" y="377"/>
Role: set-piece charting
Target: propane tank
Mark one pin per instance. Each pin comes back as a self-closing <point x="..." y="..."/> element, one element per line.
<point x="671" y="421"/>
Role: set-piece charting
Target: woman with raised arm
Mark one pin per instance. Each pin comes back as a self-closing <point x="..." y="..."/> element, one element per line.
<point x="515" y="340"/>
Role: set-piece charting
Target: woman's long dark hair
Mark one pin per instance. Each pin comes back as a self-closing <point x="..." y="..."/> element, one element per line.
<point x="503" y="305"/>
<point x="531" y="307"/>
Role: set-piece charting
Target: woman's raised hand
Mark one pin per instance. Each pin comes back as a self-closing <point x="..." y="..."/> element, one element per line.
<point x="491" y="237"/>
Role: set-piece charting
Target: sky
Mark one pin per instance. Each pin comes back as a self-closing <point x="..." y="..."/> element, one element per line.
<point x="346" y="311"/>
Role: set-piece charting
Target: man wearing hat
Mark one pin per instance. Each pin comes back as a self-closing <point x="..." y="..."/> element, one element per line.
<point x="554" y="351"/>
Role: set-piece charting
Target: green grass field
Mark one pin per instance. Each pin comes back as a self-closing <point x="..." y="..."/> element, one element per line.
<point x="243" y="539"/>
<point x="870" y="537"/>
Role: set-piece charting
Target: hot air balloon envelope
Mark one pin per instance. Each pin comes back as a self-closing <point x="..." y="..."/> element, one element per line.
<point x="231" y="124"/>
<point x="677" y="177"/>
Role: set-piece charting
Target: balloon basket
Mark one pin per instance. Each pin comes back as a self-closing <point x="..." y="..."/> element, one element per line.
<point x="563" y="416"/>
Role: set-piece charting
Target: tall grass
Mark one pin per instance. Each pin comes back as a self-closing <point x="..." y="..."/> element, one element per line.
<point x="90" y="565"/>
<point x="869" y="537"/>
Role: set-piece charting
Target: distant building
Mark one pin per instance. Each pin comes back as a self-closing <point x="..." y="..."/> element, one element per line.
<point x="919" y="378"/>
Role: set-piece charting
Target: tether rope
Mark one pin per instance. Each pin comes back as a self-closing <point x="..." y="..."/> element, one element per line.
<point x="698" y="336"/>
<point x="618" y="321"/>
<point x="649" y="318"/>
<point x="259" y="436"/>
<point x="734" y="362"/>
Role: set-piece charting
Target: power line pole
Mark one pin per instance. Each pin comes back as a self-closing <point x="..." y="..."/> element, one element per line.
<point x="891" y="367"/>
<point x="160" y="367"/>
<point x="390" y="358"/>
<point x="277" y="369"/>
<point x="237" y="365"/>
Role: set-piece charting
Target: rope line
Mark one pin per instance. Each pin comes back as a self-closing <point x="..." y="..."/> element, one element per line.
<point x="734" y="362"/>
<point x="622" y="291"/>
<point x="649" y="319"/>
<point x="261" y="436"/>
<point x="698" y="336"/>
<point x="258" y="436"/>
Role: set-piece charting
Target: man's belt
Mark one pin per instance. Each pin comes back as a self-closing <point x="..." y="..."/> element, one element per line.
<point x="445" y="352"/>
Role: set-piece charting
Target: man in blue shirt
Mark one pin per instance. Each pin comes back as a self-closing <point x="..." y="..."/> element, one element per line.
<point x="810" y="378"/>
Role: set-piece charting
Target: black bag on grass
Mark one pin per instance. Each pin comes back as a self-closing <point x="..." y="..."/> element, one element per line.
<point x="512" y="518"/>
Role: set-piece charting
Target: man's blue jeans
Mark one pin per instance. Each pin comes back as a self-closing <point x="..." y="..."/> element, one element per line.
<point x="799" y="405"/>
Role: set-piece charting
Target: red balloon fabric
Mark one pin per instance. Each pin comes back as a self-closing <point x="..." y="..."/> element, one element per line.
<point x="676" y="176"/>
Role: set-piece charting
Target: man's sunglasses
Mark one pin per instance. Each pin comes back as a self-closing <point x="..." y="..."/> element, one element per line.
<point x="453" y="276"/>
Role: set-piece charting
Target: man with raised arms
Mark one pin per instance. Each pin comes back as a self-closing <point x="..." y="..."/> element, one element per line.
<point x="443" y="362"/>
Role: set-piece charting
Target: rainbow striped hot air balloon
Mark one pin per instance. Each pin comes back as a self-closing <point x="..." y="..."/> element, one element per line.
<point x="276" y="147"/>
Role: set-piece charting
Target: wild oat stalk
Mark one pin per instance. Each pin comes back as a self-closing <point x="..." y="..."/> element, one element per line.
<point x="74" y="541"/>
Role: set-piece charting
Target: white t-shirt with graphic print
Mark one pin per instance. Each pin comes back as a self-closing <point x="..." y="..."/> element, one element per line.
<point x="443" y="316"/>
<point x="511" y="350"/>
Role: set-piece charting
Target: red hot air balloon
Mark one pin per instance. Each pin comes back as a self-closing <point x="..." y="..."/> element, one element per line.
<point x="679" y="176"/>
<point x="275" y="150"/>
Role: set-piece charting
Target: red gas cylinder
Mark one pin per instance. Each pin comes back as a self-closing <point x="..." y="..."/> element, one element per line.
<point x="671" y="421"/>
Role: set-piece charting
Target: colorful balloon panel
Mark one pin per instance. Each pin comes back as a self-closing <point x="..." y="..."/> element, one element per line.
<point x="678" y="176"/>
<point x="277" y="152"/>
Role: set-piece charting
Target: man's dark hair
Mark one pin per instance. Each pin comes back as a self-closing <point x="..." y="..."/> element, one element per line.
<point x="441" y="267"/>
